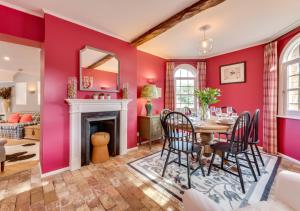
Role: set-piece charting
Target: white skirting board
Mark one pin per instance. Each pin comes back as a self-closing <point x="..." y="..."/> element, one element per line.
<point x="51" y="173"/>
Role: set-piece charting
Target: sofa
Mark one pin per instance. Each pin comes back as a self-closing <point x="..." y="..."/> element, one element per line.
<point x="286" y="198"/>
<point x="2" y="153"/>
<point x="16" y="130"/>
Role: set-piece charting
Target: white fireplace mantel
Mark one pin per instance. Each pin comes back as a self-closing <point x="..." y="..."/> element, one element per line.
<point x="78" y="106"/>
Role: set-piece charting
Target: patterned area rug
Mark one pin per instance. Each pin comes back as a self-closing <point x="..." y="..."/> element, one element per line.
<point x="22" y="153"/>
<point x="222" y="187"/>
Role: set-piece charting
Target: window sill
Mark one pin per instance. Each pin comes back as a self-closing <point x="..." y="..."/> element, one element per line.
<point x="288" y="117"/>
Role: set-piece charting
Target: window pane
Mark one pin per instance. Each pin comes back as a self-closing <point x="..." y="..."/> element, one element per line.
<point x="190" y="82"/>
<point x="182" y="99"/>
<point x="178" y="90"/>
<point x="295" y="53"/>
<point x="177" y="82"/>
<point x="184" y="90"/>
<point x="293" y="82"/>
<point x="293" y="96"/>
<point x="293" y="107"/>
<point x="178" y="105"/>
<point x="184" y="82"/>
<point x="184" y="73"/>
<point x="191" y="99"/>
<point x="191" y="90"/>
<point x="293" y="69"/>
<point x="177" y="73"/>
<point x="190" y="74"/>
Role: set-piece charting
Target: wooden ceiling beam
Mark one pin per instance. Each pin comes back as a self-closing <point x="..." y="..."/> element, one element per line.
<point x="185" y="14"/>
<point x="100" y="61"/>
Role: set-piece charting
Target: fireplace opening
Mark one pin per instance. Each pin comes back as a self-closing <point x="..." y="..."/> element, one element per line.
<point x="99" y="122"/>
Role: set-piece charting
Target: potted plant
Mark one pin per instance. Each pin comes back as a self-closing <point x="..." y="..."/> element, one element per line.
<point x="5" y="94"/>
<point x="207" y="97"/>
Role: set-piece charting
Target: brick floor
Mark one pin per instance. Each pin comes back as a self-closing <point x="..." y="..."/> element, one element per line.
<point x="109" y="186"/>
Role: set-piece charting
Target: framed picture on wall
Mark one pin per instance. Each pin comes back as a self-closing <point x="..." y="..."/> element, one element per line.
<point x="233" y="73"/>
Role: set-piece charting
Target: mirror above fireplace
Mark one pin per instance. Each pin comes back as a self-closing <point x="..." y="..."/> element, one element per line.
<point x="99" y="70"/>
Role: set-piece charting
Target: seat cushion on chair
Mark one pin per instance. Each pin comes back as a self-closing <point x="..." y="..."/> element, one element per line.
<point x="184" y="146"/>
<point x="266" y="206"/>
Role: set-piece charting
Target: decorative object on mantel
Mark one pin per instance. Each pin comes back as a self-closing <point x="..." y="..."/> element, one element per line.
<point x="149" y="92"/>
<point x="125" y="91"/>
<point x="5" y="94"/>
<point x="87" y="82"/>
<point x="101" y="96"/>
<point x="233" y="73"/>
<point x="206" y="43"/>
<point x="108" y="96"/>
<point x="72" y="87"/>
<point x="207" y="97"/>
<point x="95" y="96"/>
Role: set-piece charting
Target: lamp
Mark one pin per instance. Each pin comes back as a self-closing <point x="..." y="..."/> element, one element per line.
<point x="206" y="44"/>
<point x="149" y="92"/>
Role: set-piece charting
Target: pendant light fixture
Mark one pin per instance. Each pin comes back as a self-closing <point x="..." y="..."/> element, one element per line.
<point x="206" y="43"/>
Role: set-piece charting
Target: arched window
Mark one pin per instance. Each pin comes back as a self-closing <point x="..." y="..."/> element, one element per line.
<point x="289" y="102"/>
<point x="185" y="83"/>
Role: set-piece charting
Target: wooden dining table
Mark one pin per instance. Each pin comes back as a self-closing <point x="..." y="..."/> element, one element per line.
<point x="207" y="130"/>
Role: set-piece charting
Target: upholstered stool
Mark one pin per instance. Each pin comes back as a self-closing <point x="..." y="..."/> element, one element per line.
<point x="2" y="153"/>
<point x="100" y="150"/>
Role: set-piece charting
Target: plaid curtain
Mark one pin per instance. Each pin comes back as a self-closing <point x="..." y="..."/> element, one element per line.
<point x="270" y="98"/>
<point x="169" y="91"/>
<point x="201" y="68"/>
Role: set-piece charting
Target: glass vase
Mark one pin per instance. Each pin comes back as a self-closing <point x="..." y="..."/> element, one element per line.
<point x="204" y="112"/>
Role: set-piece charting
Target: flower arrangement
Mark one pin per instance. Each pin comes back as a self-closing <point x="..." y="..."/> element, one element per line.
<point x="207" y="97"/>
<point x="5" y="92"/>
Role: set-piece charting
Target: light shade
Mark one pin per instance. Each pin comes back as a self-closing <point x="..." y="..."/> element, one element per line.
<point x="149" y="91"/>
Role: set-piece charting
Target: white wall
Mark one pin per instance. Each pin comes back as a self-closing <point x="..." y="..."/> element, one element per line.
<point x="32" y="98"/>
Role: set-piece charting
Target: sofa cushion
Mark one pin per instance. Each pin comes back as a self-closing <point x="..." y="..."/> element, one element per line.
<point x="26" y="118"/>
<point x="14" y="118"/>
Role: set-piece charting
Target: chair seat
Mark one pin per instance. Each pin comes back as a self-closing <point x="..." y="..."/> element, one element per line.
<point x="184" y="146"/>
<point x="224" y="147"/>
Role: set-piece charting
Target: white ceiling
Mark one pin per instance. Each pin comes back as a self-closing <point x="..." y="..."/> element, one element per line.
<point x="235" y="24"/>
<point x="21" y="57"/>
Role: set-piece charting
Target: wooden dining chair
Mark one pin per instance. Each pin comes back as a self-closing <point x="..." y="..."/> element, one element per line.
<point x="253" y="140"/>
<point x="182" y="140"/>
<point x="237" y="146"/>
<point x="226" y="134"/>
<point x="162" y="116"/>
<point x="186" y="111"/>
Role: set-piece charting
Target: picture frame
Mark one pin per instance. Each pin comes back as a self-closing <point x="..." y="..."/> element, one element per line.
<point x="233" y="73"/>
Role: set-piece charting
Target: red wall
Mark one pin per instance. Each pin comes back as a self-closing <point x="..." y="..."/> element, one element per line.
<point x="242" y="96"/>
<point x="102" y="79"/>
<point x="288" y="137"/>
<point x="150" y="69"/>
<point x="20" y="24"/>
<point x="288" y="129"/>
<point x="63" y="40"/>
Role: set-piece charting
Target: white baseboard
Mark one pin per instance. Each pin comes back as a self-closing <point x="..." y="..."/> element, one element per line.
<point x="289" y="158"/>
<point x="132" y="149"/>
<point x="55" y="172"/>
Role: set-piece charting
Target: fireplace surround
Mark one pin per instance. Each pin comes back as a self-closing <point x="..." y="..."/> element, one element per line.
<point x="79" y="106"/>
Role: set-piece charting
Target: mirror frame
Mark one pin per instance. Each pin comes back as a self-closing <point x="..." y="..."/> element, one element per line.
<point x="80" y="71"/>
